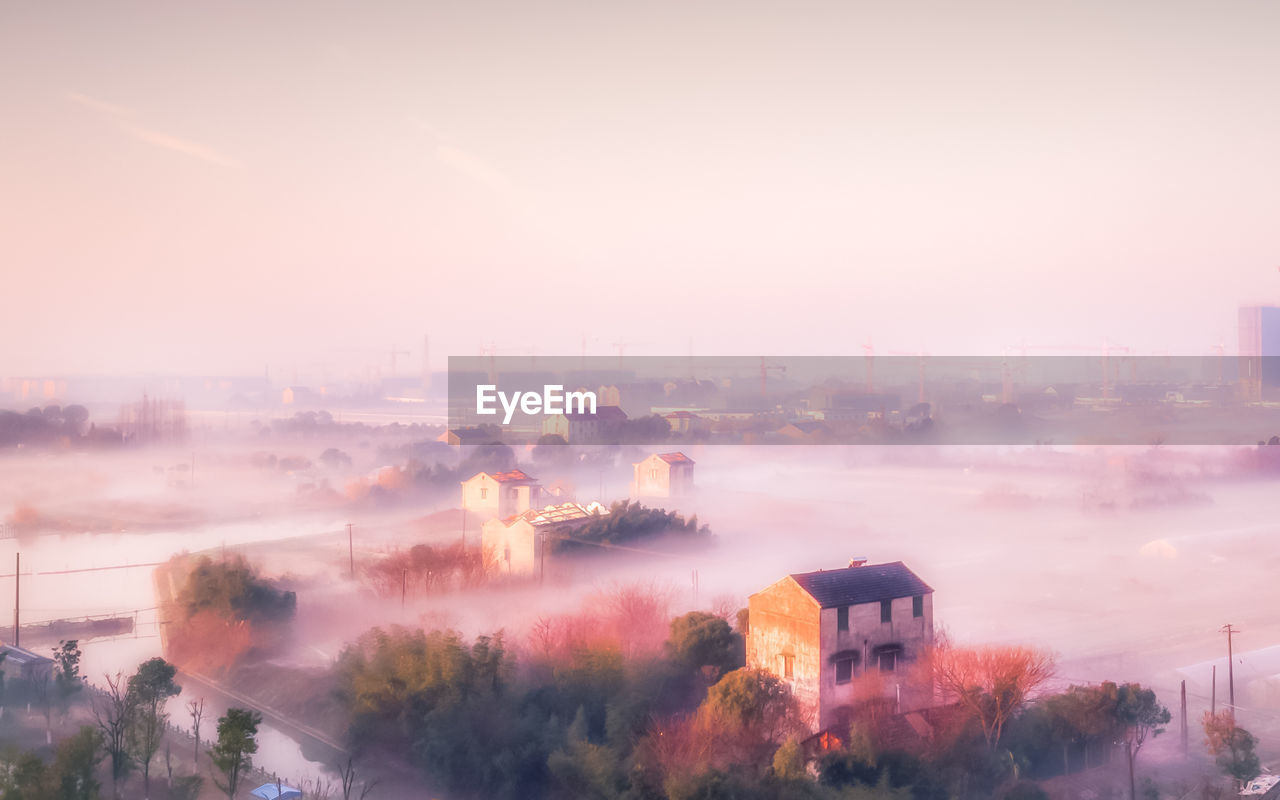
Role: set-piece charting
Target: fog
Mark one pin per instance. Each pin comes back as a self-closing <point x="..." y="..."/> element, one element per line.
<point x="1123" y="561"/>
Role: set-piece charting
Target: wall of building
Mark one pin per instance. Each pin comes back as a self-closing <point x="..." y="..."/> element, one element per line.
<point x="784" y="621"/>
<point x="486" y="498"/>
<point x="657" y="478"/>
<point x="513" y="549"/>
<point x="480" y="496"/>
<point x="865" y="635"/>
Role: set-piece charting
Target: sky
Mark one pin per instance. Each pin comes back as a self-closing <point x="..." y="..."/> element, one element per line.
<point x="223" y="188"/>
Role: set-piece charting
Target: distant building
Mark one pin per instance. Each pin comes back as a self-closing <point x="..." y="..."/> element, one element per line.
<point x="602" y="427"/>
<point x="468" y="436"/>
<point x="299" y="395"/>
<point x="23" y="665"/>
<point x="500" y="495"/>
<point x="825" y="633"/>
<point x="804" y="431"/>
<point x="663" y="475"/>
<point x="516" y="545"/>
<point x="1259" y="349"/>
<point x="682" y="422"/>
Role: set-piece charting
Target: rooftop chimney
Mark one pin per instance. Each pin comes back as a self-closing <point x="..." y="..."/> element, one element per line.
<point x="857" y="561"/>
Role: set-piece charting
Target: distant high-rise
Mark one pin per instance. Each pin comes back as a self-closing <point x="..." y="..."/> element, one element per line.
<point x="1259" y="349"/>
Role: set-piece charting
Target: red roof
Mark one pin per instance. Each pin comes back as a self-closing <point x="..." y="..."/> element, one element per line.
<point x="675" y="458"/>
<point x="514" y="476"/>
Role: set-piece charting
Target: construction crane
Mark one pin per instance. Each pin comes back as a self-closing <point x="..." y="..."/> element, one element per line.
<point x="765" y="367"/>
<point x="921" y="355"/>
<point x="491" y="351"/>
<point x="621" y="346"/>
<point x="869" y="354"/>
<point x="1106" y="349"/>
<point x="395" y="353"/>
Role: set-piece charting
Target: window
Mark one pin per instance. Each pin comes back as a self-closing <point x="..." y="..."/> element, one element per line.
<point x="844" y="670"/>
<point x="886" y="611"/>
<point x="888" y="660"/>
<point x="842" y="618"/>
<point x="788" y="666"/>
<point x="484" y="493"/>
<point x="653" y="474"/>
<point x="917" y="606"/>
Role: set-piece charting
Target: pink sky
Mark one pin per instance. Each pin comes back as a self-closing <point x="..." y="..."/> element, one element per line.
<point x="222" y="188"/>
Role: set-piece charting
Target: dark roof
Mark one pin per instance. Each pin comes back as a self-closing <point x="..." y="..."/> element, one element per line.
<point x="469" y="434"/>
<point x="21" y="656"/>
<point x="866" y="584"/>
<point x="603" y="414"/>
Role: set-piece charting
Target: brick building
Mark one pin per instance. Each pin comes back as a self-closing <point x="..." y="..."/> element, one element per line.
<point x="836" y="635"/>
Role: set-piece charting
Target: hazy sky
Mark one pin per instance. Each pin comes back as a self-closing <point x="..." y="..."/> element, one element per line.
<point x="191" y="187"/>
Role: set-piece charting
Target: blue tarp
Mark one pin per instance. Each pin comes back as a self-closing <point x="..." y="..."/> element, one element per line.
<point x="268" y="791"/>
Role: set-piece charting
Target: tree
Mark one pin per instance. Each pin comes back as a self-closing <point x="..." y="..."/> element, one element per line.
<point x="26" y="777"/>
<point x="237" y="742"/>
<point x="992" y="682"/>
<point x="754" y="712"/>
<point x="1139" y="714"/>
<point x="112" y="712"/>
<point x="348" y="774"/>
<point x="75" y="764"/>
<point x="67" y="678"/>
<point x="699" y="639"/>
<point x="196" y="709"/>
<point x="149" y="688"/>
<point x="1232" y="747"/>
<point x="788" y="761"/>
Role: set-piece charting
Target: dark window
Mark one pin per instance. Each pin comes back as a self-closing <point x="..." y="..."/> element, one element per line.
<point x="886" y="611"/>
<point x="484" y="493"/>
<point x="788" y="666"/>
<point x="842" y="618"/>
<point x="844" y="670"/>
<point x="888" y="661"/>
<point x="917" y="606"/>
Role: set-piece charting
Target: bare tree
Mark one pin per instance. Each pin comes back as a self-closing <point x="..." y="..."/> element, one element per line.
<point x="196" y="709"/>
<point x="113" y="712"/>
<point x="316" y="788"/>
<point x="992" y="682"/>
<point x="348" y="774"/>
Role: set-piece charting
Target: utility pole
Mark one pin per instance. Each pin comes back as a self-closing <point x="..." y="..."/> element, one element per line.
<point x="17" y="598"/>
<point x="1231" y="672"/>
<point x="1213" y="696"/>
<point x="542" y="556"/>
<point x="351" y="551"/>
<point x="1184" y="718"/>
<point x="404" y="584"/>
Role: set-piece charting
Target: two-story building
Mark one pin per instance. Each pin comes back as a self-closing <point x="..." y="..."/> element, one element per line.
<point x="500" y="495"/>
<point x="663" y="475"/>
<point x="824" y="632"/>
<point x="586" y="427"/>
